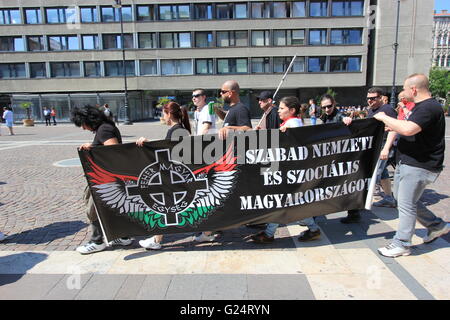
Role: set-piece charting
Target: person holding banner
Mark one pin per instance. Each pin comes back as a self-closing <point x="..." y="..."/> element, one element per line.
<point x="205" y="117"/>
<point x="106" y="134"/>
<point x="177" y="118"/>
<point x="288" y="112"/>
<point x="270" y="118"/>
<point x="330" y="114"/>
<point x="420" y="155"/>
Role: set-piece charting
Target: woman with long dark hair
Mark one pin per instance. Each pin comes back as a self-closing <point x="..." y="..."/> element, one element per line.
<point x="176" y="117"/>
<point x="106" y="134"/>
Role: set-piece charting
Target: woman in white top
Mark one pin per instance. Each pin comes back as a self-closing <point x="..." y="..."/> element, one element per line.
<point x="289" y="112"/>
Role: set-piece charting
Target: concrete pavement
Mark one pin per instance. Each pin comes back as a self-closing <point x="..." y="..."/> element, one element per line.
<point x="42" y="214"/>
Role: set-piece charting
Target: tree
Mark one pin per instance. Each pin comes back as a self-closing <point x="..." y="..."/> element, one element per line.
<point x="440" y="82"/>
<point x="27" y="107"/>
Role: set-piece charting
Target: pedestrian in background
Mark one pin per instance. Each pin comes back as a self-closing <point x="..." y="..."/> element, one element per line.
<point x="9" y="118"/>
<point x="47" y="116"/>
<point x="53" y="115"/>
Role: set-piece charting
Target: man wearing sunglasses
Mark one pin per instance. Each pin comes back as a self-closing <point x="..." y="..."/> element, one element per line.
<point x="238" y="117"/>
<point x="205" y="120"/>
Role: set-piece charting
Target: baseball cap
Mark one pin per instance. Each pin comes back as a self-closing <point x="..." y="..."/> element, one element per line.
<point x="265" y="95"/>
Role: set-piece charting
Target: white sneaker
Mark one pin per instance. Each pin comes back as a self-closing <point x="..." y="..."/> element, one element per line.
<point x="121" y="242"/>
<point x="2" y="236"/>
<point x="91" y="247"/>
<point x="393" y="250"/>
<point x="150" y="244"/>
<point x="202" y="237"/>
<point x="433" y="235"/>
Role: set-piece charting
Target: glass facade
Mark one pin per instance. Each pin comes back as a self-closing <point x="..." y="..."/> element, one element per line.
<point x="58" y="43"/>
<point x="204" y="39"/>
<point x="261" y="38"/>
<point x="148" y="67"/>
<point x="175" y="40"/>
<point x="12" y="44"/>
<point x="92" y="69"/>
<point x="347" y="8"/>
<point x="147" y="40"/>
<point x="90" y="42"/>
<point x="89" y="14"/>
<point x="113" y="41"/>
<point x="33" y="16"/>
<point x="204" y="66"/>
<point x="232" y="38"/>
<point x="346" y="36"/>
<point x="35" y="43"/>
<point x="145" y="13"/>
<point x="10" y="16"/>
<point x="260" y="65"/>
<point x="64" y="69"/>
<point x="176" y="67"/>
<point x="318" y="8"/>
<point x="345" y="64"/>
<point x="12" y="70"/>
<point x="37" y="70"/>
<point x="317" y="37"/>
<point x="233" y="65"/>
<point x="317" y="64"/>
<point x="115" y="68"/>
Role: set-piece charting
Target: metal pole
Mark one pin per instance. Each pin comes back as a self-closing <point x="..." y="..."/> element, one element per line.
<point x="393" y="91"/>
<point x="122" y="42"/>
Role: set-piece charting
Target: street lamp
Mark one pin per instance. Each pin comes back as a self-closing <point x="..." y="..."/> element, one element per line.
<point x="118" y="5"/>
<point x="393" y="90"/>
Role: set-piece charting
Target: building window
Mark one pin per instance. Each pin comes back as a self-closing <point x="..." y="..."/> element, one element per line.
<point x="234" y="65"/>
<point x="90" y="42"/>
<point x="204" y="39"/>
<point x="12" y="44"/>
<point x="260" y="38"/>
<point x="113" y="41"/>
<point x="317" y="64"/>
<point x="204" y="66"/>
<point x="147" y="40"/>
<point x="60" y="15"/>
<point x="224" y="11"/>
<point x="260" y="10"/>
<point x="145" y="13"/>
<point x="65" y="69"/>
<point x="37" y="70"/>
<point x="347" y="8"/>
<point x="240" y="11"/>
<point x="298" y="9"/>
<point x="175" y="40"/>
<point x="89" y="14"/>
<point x="203" y="11"/>
<point x="174" y="12"/>
<point x="318" y="8"/>
<point x="345" y="64"/>
<point x="232" y="38"/>
<point x="288" y="37"/>
<point x="318" y="37"/>
<point x="346" y="36"/>
<point x="148" y="67"/>
<point x="170" y="67"/>
<point x="111" y="14"/>
<point x="92" y="69"/>
<point x="12" y="70"/>
<point x="10" y="16"/>
<point x="260" y="65"/>
<point x="115" y="68"/>
<point x="280" y="64"/>
<point x="280" y="10"/>
<point x="58" y="43"/>
<point x="33" y="16"/>
<point x="35" y="43"/>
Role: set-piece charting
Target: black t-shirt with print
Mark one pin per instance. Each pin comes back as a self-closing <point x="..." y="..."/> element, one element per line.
<point x="238" y="116"/>
<point x="105" y="132"/>
<point x="386" y="108"/>
<point x="425" y="149"/>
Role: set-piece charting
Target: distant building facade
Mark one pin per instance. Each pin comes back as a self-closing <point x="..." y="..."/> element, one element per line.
<point x="441" y="39"/>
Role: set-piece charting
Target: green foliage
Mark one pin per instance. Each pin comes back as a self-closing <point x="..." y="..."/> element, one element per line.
<point x="163" y="101"/>
<point x="27" y="106"/>
<point x="440" y="82"/>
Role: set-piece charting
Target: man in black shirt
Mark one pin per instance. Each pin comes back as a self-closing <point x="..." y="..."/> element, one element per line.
<point x="420" y="151"/>
<point x="238" y="117"/>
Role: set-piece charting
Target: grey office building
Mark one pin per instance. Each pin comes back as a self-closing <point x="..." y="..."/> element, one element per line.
<point x="62" y="53"/>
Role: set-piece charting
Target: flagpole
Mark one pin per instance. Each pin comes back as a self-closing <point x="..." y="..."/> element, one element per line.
<point x="279" y="86"/>
<point x="101" y="224"/>
<point x="373" y="181"/>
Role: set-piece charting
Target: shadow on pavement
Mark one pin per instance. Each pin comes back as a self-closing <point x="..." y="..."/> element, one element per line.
<point x="431" y="197"/>
<point x="46" y="234"/>
<point x="15" y="266"/>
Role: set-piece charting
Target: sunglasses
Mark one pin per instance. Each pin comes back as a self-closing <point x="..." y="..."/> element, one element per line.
<point x="196" y="95"/>
<point x="327" y="107"/>
<point x="372" y="98"/>
<point x="224" y="91"/>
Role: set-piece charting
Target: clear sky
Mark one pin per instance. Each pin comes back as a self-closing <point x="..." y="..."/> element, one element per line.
<point x="441" y="4"/>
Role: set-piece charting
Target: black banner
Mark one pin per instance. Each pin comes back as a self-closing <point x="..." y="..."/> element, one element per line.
<point x="202" y="183"/>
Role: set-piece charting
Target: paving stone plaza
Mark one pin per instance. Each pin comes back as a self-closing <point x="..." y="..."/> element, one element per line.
<point x="43" y="217"/>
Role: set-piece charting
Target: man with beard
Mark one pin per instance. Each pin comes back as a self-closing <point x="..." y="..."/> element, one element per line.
<point x="238" y="117"/>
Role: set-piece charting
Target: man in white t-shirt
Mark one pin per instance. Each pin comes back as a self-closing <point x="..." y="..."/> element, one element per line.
<point x="205" y="121"/>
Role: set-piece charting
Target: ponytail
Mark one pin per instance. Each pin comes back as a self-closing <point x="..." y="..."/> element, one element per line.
<point x="180" y="114"/>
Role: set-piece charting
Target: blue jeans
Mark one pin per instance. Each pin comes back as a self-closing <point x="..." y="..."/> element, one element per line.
<point x="308" y="222"/>
<point x="409" y="184"/>
<point x="313" y="120"/>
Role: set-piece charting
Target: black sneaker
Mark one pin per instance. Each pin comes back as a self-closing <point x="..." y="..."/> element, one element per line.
<point x="309" y="235"/>
<point x="261" y="237"/>
<point x="351" y="218"/>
